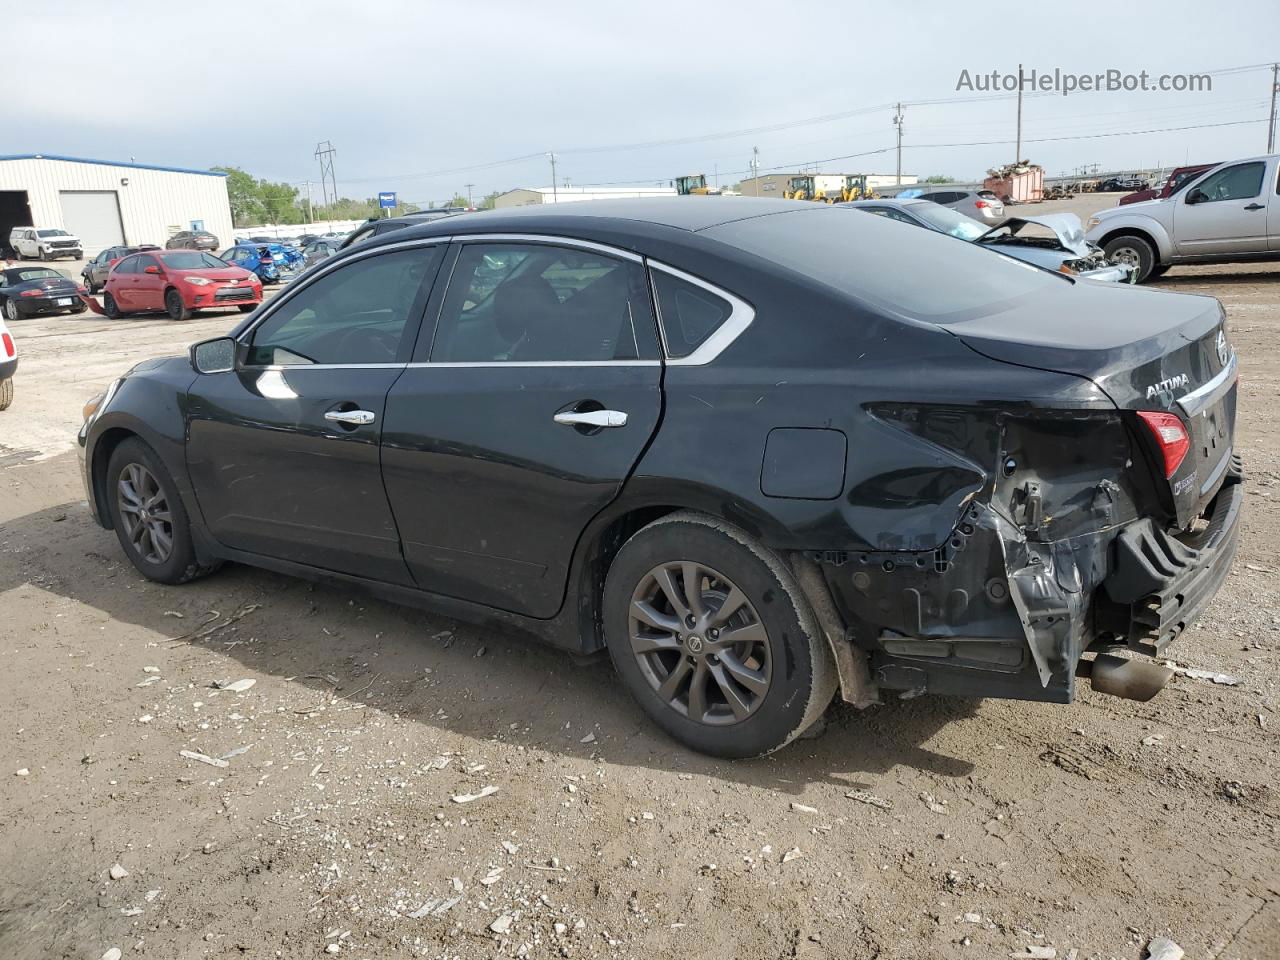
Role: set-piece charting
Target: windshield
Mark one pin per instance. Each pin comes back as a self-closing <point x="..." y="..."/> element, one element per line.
<point x="53" y="233"/>
<point x="948" y="221"/>
<point x="191" y="260"/>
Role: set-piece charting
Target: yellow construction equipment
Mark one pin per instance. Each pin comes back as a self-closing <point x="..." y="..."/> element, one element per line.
<point x="694" y="184"/>
<point x="803" y="188"/>
<point x="855" y="188"/>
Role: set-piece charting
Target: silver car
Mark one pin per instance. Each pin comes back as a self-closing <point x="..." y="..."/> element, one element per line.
<point x="983" y="206"/>
<point x="1054" y="241"/>
<point x="1228" y="214"/>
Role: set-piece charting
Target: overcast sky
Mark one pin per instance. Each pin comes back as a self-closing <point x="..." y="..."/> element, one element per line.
<point x="406" y="90"/>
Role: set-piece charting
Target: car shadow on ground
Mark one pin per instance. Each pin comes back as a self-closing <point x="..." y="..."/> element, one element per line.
<point x="477" y="682"/>
<point x="1216" y="279"/>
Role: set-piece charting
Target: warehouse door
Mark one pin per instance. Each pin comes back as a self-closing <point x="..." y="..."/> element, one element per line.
<point x="94" y="217"/>
<point x="15" y="211"/>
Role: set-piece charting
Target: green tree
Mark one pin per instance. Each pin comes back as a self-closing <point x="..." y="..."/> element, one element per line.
<point x="489" y="198"/>
<point x="939" y="178"/>
<point x="256" y="201"/>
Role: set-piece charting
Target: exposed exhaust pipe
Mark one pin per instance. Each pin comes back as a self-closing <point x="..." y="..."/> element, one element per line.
<point x="1131" y="679"/>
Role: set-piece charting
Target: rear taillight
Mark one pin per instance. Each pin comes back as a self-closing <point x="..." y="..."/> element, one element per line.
<point x="1171" y="438"/>
<point x="33" y="293"/>
<point x="7" y="340"/>
<point x="981" y="204"/>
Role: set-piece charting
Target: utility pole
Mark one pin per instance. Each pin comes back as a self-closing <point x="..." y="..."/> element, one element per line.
<point x="1271" y="127"/>
<point x="311" y="212"/>
<point x="555" y="197"/>
<point x="324" y="153"/>
<point x="897" y="122"/>
<point x="716" y="173"/>
<point x="1017" y="150"/>
<point x="469" y="186"/>
<point x="755" y="168"/>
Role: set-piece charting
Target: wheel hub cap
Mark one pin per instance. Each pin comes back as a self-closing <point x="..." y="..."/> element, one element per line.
<point x="700" y="643"/>
<point x="144" y="514"/>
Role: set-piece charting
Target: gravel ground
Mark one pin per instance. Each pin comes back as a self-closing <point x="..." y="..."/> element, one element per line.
<point x="337" y="814"/>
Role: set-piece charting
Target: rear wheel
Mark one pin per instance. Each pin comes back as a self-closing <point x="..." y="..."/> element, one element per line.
<point x="11" y="310"/>
<point x="714" y="639"/>
<point x="177" y="309"/>
<point x="1136" y="252"/>
<point x="110" y="308"/>
<point x="149" y="518"/>
<point x="6" y="393"/>
<point x="246" y="307"/>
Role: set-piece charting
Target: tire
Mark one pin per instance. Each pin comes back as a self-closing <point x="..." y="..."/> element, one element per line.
<point x="246" y="307"/>
<point x="1159" y="270"/>
<point x="174" y="306"/>
<point x="155" y="534"/>
<point x="783" y="656"/>
<point x="6" y="393"/>
<point x="110" y="308"/>
<point x="1133" y="249"/>
<point x="11" y="311"/>
<point x="79" y="308"/>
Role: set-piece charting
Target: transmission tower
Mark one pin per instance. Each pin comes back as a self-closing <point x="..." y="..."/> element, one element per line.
<point x="324" y="153"/>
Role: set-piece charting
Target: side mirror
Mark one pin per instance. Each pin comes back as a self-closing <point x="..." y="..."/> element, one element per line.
<point x="152" y="270"/>
<point x="1196" y="196"/>
<point x="214" y="356"/>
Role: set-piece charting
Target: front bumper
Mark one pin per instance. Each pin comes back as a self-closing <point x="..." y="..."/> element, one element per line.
<point x="993" y="614"/>
<point x="1113" y="273"/>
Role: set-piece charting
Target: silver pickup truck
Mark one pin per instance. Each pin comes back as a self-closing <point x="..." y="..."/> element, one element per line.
<point x="1228" y="214"/>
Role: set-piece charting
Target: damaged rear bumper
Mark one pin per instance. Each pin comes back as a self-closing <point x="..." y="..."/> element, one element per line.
<point x="994" y="614"/>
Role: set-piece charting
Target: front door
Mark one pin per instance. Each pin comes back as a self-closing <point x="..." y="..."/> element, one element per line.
<point x="1229" y="214"/>
<point x="542" y="389"/>
<point x="284" y="451"/>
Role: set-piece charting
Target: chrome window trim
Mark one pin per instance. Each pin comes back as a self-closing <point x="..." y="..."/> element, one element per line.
<point x="739" y="319"/>
<point x="291" y="367"/>
<point x="538" y="363"/>
<point x="323" y="269"/>
<point x="544" y="238"/>
<point x="1211" y="391"/>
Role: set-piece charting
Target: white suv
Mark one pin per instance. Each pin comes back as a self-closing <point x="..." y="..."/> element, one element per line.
<point x="45" y="243"/>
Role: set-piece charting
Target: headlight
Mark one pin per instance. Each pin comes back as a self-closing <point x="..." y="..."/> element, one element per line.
<point x="198" y="281"/>
<point x="1093" y="222"/>
<point x="92" y="406"/>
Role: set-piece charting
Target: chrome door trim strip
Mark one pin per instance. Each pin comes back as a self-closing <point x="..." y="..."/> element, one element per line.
<point x="544" y="238"/>
<point x="539" y="363"/>
<point x="739" y="319"/>
<point x="1210" y="392"/>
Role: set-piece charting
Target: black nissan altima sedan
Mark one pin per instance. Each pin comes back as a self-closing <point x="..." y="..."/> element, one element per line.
<point x="759" y="450"/>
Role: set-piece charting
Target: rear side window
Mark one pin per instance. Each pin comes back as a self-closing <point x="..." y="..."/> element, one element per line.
<point x="128" y="265"/>
<point x="689" y="313"/>
<point x="358" y="313"/>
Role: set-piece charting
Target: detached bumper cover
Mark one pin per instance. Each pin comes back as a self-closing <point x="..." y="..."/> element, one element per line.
<point x="995" y="614"/>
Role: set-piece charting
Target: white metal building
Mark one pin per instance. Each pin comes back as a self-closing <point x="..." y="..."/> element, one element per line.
<point x="105" y="203"/>
<point x="524" y="196"/>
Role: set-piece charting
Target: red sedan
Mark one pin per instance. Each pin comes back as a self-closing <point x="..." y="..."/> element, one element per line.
<point x="178" y="282"/>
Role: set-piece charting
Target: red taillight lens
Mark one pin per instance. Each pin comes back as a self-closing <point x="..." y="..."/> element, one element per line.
<point x="981" y="204"/>
<point x="8" y="344"/>
<point x="32" y="293"/>
<point x="1171" y="437"/>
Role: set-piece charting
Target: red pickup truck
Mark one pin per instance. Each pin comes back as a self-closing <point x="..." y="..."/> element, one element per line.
<point x="1177" y="179"/>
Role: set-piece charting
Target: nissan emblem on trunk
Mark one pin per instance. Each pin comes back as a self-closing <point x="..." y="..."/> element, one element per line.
<point x="1223" y="353"/>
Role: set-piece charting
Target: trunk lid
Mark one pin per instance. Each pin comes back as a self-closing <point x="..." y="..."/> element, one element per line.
<point x="1147" y="350"/>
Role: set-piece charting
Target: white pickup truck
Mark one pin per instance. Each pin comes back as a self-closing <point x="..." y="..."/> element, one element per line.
<point x="45" y="243"/>
<point x="1227" y="214"/>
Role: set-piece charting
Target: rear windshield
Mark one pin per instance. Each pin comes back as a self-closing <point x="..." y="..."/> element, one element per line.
<point x="896" y="267"/>
<point x="22" y="276"/>
<point x="191" y="260"/>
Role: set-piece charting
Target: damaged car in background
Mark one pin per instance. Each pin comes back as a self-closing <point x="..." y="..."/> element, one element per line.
<point x="699" y="434"/>
<point x="1054" y="241"/>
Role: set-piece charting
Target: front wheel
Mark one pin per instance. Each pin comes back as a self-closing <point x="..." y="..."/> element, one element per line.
<point x="714" y="638"/>
<point x="1134" y="251"/>
<point x="148" y="515"/>
<point x="246" y="307"/>
<point x="176" y="308"/>
<point x="6" y="393"/>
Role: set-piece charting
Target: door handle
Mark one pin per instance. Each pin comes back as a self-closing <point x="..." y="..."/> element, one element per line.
<point x="1254" y="206"/>
<point x="353" y="417"/>
<point x="592" y="418"/>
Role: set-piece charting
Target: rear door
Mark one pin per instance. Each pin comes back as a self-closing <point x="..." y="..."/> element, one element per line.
<point x="124" y="283"/>
<point x="522" y="419"/>
<point x="147" y="288"/>
<point x="283" y="452"/>
<point x="1229" y="214"/>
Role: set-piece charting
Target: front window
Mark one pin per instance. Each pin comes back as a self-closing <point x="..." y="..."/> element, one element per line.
<point x="530" y="303"/>
<point x="1240" y="182"/>
<point x="355" y="314"/>
<point x="192" y="260"/>
<point x="948" y="221"/>
<point x="53" y="233"/>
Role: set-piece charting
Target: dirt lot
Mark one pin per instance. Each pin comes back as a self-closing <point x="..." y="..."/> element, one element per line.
<point x="920" y="829"/>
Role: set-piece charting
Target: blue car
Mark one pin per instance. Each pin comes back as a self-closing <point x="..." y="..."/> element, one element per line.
<point x="272" y="262"/>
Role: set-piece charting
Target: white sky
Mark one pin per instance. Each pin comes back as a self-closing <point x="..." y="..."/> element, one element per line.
<point x="407" y="89"/>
